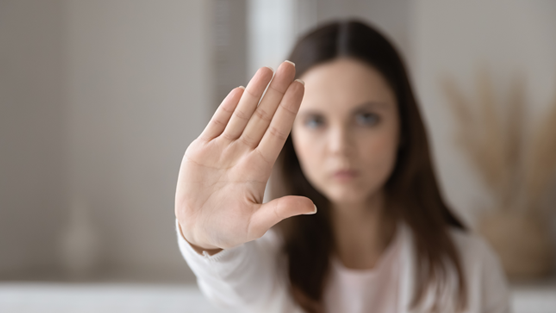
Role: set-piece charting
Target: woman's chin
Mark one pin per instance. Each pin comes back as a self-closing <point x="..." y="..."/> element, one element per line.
<point x="346" y="196"/>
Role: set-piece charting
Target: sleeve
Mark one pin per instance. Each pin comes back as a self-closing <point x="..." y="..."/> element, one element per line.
<point x="487" y="286"/>
<point x="246" y="278"/>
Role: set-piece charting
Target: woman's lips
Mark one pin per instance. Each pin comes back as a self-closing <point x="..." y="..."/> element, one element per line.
<point x="345" y="175"/>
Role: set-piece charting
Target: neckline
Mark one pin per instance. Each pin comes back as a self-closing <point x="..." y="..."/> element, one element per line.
<point x="386" y="255"/>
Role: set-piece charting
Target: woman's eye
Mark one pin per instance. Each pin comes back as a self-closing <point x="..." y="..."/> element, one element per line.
<point x="314" y="121"/>
<point x="367" y="118"/>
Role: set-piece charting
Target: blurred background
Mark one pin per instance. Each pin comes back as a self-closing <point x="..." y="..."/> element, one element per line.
<point x="99" y="100"/>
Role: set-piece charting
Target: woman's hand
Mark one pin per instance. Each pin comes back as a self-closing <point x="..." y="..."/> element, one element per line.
<point x="224" y="171"/>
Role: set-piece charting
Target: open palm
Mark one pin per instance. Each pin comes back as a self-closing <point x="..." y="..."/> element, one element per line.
<point x="224" y="171"/>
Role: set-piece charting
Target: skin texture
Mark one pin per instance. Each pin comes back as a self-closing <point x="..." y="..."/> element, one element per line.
<point x="348" y="121"/>
<point x="224" y="171"/>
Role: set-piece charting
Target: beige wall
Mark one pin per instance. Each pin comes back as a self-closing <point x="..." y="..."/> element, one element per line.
<point x="140" y="84"/>
<point x="99" y="101"/>
<point x="33" y="132"/>
<point x="392" y="17"/>
<point x="129" y="86"/>
<point x="507" y="38"/>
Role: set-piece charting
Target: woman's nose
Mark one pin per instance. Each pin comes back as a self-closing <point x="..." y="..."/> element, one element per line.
<point x="340" y="142"/>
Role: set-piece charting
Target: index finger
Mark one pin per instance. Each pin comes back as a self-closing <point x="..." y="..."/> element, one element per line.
<point x="222" y="115"/>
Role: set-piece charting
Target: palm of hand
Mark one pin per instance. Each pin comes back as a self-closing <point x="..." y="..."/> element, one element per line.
<point x="224" y="172"/>
<point x="216" y="172"/>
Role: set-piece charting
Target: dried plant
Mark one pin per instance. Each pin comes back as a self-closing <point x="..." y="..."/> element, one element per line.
<point x="517" y="167"/>
<point x="541" y="163"/>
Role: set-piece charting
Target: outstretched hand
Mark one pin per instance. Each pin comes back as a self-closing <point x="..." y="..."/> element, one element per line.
<point x="224" y="171"/>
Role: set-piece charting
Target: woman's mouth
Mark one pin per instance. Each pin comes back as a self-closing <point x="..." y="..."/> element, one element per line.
<point x="345" y="175"/>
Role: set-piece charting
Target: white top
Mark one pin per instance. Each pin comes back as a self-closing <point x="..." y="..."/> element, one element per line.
<point x="252" y="277"/>
<point x="355" y="291"/>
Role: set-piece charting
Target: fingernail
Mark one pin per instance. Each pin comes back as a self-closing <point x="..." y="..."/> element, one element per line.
<point x="270" y="68"/>
<point x="290" y="62"/>
<point x="242" y="87"/>
<point x="312" y="212"/>
<point x="302" y="82"/>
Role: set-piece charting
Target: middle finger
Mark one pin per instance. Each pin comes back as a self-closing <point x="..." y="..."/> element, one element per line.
<point x="260" y="120"/>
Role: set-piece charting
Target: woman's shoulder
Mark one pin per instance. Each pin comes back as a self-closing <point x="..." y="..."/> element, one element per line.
<point x="482" y="264"/>
<point x="473" y="247"/>
<point x="467" y="238"/>
<point x="487" y="283"/>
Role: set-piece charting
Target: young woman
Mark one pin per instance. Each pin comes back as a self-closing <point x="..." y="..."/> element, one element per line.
<point x="383" y="239"/>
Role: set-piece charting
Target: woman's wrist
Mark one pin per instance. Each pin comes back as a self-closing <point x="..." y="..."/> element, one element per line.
<point x="197" y="248"/>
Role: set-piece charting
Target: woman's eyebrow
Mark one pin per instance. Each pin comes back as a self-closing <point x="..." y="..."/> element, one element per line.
<point x="362" y="107"/>
<point x="370" y="105"/>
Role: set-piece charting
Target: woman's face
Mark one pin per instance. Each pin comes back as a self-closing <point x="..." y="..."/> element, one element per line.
<point x="346" y="133"/>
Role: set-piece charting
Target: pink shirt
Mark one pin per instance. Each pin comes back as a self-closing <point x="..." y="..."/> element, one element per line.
<point x="356" y="291"/>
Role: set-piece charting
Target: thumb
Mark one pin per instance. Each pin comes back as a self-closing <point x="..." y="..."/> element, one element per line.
<point x="270" y="213"/>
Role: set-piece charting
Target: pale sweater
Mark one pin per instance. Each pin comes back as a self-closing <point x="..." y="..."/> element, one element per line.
<point x="252" y="277"/>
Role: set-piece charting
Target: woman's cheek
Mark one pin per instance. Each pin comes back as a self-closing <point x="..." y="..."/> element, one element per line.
<point x="381" y="156"/>
<point x="307" y="150"/>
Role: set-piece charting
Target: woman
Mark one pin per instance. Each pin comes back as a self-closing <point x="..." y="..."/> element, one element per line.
<point x="383" y="239"/>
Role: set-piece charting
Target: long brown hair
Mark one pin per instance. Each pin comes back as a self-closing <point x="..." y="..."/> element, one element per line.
<point x="412" y="193"/>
